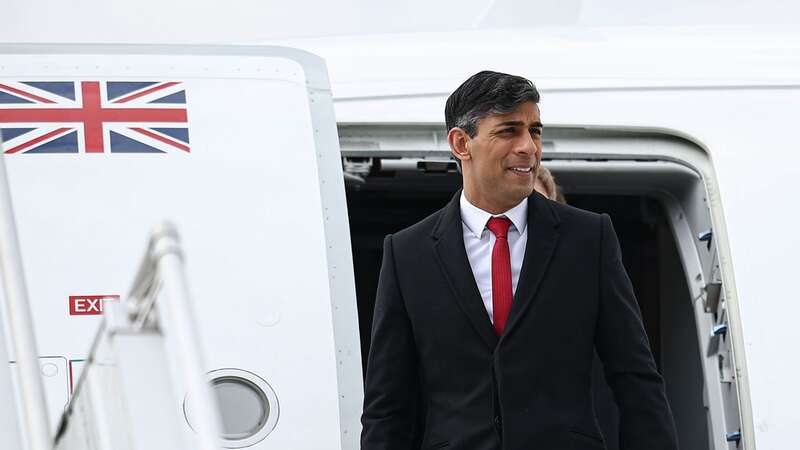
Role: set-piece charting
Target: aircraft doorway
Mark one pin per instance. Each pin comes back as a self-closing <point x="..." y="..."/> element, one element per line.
<point x="656" y="207"/>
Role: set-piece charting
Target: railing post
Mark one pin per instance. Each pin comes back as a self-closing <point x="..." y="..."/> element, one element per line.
<point x="164" y="267"/>
<point x="9" y="421"/>
<point x="18" y="314"/>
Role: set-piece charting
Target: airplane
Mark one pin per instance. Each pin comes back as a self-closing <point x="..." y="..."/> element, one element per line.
<point x="246" y="147"/>
<point x="666" y="129"/>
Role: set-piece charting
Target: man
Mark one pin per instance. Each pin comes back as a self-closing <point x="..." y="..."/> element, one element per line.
<point x="488" y="311"/>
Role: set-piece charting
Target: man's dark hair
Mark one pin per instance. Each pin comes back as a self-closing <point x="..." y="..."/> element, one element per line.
<point x="486" y="93"/>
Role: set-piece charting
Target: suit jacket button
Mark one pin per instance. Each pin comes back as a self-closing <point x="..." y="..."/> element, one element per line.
<point x="497" y="421"/>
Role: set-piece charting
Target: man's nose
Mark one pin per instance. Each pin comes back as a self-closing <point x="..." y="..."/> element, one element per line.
<point x="526" y="145"/>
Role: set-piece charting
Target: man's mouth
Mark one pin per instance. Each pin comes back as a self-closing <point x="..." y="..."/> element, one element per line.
<point x="521" y="169"/>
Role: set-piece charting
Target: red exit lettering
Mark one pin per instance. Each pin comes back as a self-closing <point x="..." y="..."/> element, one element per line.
<point x="89" y="305"/>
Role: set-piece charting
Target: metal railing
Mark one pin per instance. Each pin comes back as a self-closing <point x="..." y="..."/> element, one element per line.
<point x="145" y="360"/>
<point x="16" y="308"/>
<point x="162" y="272"/>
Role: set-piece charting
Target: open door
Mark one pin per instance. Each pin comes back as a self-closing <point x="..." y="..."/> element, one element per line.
<point x="238" y="148"/>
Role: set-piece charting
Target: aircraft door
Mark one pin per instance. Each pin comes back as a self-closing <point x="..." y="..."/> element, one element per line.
<point x="238" y="148"/>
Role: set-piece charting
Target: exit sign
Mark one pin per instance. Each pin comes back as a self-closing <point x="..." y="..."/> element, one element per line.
<point x="89" y="305"/>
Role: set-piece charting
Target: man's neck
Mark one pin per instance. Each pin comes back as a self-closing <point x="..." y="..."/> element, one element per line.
<point x="485" y="204"/>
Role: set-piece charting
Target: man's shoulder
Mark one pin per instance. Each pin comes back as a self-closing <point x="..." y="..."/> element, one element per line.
<point x="421" y="229"/>
<point x="569" y="213"/>
<point x="575" y="220"/>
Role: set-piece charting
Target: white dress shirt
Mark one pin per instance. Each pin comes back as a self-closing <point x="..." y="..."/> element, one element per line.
<point x="479" y="242"/>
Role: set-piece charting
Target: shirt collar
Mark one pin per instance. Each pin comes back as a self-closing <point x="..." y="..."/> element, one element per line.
<point x="475" y="218"/>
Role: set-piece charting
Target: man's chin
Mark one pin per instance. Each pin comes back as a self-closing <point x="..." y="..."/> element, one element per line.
<point x="519" y="194"/>
<point x="524" y="192"/>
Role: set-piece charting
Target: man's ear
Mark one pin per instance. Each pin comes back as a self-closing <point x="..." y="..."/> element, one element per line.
<point x="459" y="143"/>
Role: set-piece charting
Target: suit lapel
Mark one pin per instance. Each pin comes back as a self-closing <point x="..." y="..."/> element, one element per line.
<point x="448" y="236"/>
<point x="542" y="238"/>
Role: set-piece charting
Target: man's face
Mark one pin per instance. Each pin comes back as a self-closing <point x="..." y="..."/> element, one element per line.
<point x="504" y="157"/>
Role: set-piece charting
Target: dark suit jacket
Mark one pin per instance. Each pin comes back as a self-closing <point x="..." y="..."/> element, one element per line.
<point x="437" y="374"/>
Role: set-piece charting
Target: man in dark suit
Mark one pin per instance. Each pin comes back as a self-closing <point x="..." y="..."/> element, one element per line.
<point x="489" y="311"/>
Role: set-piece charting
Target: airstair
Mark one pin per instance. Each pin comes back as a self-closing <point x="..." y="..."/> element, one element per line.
<point x="145" y="360"/>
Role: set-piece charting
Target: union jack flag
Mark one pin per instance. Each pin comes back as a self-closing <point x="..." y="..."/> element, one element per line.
<point x="93" y="117"/>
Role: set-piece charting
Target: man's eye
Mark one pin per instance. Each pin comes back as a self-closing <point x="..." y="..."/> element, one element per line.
<point x="536" y="131"/>
<point x="507" y="131"/>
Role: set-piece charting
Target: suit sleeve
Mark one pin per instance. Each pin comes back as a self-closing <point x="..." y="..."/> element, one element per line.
<point x="646" y="421"/>
<point x="391" y="385"/>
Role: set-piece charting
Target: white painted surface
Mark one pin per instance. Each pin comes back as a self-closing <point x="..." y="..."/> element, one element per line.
<point x="209" y="21"/>
<point x="247" y="203"/>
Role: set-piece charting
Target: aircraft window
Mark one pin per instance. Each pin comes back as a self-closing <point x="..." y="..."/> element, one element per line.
<point x="247" y="404"/>
<point x="243" y="407"/>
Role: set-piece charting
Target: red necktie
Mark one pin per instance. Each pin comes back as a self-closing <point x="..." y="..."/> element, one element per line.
<point x="502" y="292"/>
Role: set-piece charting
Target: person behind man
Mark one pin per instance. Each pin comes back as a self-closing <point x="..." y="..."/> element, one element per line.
<point x="488" y="311"/>
<point x="545" y="184"/>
